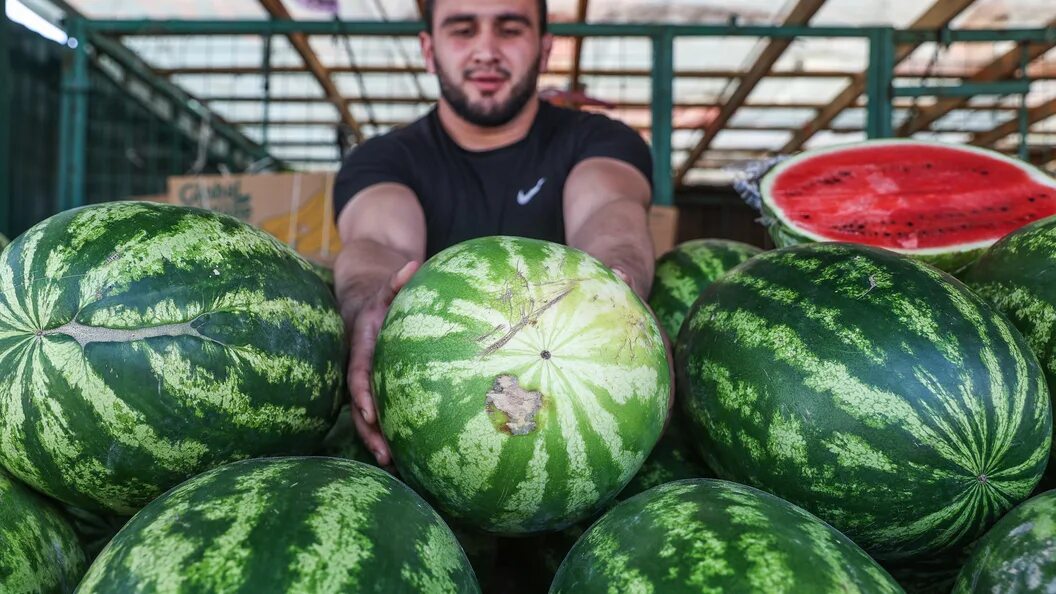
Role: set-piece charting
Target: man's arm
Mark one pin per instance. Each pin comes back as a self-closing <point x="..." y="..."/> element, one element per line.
<point x="383" y="242"/>
<point x="606" y="204"/>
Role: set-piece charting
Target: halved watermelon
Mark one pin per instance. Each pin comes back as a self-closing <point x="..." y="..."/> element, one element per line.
<point x="942" y="203"/>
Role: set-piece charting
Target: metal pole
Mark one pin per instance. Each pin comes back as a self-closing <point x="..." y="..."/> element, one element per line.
<point x="73" y="120"/>
<point x="879" y="83"/>
<point x="267" y="91"/>
<point x="662" y="108"/>
<point x="6" y="85"/>
<point x="79" y="123"/>
<point x="1024" y="115"/>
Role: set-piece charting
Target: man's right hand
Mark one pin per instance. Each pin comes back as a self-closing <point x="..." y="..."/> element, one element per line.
<point x="365" y="328"/>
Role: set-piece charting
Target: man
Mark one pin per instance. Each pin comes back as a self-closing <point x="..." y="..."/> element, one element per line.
<point x="490" y="159"/>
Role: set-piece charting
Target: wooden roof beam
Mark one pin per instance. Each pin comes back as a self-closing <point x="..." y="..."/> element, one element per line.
<point x="299" y="41"/>
<point x="1035" y="115"/>
<point x="1001" y="68"/>
<point x="801" y="13"/>
<point x="939" y="15"/>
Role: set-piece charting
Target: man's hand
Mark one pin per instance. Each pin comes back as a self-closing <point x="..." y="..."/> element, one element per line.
<point x="365" y="328"/>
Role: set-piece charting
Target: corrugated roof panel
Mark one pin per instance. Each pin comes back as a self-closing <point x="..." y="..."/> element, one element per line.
<point x="170" y="9"/>
<point x="797" y="90"/>
<point x="249" y="85"/>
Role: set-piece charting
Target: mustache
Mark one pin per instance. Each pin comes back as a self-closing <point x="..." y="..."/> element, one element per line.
<point x="471" y="72"/>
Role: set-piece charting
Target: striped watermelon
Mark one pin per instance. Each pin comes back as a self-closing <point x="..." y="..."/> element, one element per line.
<point x="1018" y="554"/>
<point x="142" y="343"/>
<point x="519" y="383"/>
<point x="705" y="535"/>
<point x="285" y="525"/>
<point x="39" y="552"/>
<point x="1018" y="277"/>
<point x="870" y="388"/>
<point x="683" y="273"/>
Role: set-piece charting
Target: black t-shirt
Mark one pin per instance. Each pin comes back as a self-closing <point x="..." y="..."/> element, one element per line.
<point x="514" y="190"/>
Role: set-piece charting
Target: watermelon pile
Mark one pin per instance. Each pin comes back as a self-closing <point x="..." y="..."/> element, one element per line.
<point x="940" y="202"/>
<point x="174" y="414"/>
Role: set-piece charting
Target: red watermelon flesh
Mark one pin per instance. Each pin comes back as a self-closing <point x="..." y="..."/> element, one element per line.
<point x="909" y="196"/>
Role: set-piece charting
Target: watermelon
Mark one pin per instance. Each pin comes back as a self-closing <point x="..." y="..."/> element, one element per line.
<point x="3" y="241"/>
<point x="703" y="535"/>
<point x="1017" y="276"/>
<point x="683" y="273"/>
<point x="519" y="383"/>
<point x="276" y="525"/>
<point x="1018" y="554"/>
<point x="142" y="343"/>
<point x="870" y="388"/>
<point x="940" y="202"/>
<point x="39" y="551"/>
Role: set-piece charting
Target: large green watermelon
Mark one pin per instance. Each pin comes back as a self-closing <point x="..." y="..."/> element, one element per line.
<point x="1017" y="555"/>
<point x="704" y="535"/>
<point x="1018" y="277"/>
<point x="39" y="552"/>
<point x="284" y="525"/>
<point x="870" y="388"/>
<point x="142" y="343"/>
<point x="683" y="273"/>
<point x="520" y="383"/>
<point x="942" y="203"/>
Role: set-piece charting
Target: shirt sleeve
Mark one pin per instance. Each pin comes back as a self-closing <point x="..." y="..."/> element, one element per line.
<point x="603" y="136"/>
<point x="378" y="160"/>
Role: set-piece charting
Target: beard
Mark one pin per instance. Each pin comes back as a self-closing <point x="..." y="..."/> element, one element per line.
<point x="489" y="116"/>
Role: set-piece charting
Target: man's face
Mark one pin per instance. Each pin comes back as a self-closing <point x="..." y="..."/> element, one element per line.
<point x="487" y="55"/>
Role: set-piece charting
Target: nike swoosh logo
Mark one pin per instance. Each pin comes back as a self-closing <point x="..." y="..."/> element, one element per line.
<point x="526" y="197"/>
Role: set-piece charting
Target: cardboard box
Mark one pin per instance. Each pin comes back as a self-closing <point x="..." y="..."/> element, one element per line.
<point x="294" y="207"/>
<point x="663" y="226"/>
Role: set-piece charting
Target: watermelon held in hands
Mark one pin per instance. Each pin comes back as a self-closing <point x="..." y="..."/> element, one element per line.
<point x="141" y="344"/>
<point x="278" y="525"/>
<point x="942" y="203"/>
<point x="683" y="273"/>
<point x="704" y="535"/>
<point x="39" y="551"/>
<point x="1017" y="555"/>
<point x="873" y="390"/>
<point x="519" y="383"/>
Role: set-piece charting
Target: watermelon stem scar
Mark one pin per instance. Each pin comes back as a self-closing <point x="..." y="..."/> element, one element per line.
<point x="517" y="404"/>
<point x="526" y="319"/>
<point x="85" y="335"/>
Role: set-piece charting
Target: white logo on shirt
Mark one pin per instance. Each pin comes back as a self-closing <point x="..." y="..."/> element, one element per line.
<point x="526" y="197"/>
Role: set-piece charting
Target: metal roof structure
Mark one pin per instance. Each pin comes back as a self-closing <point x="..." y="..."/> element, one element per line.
<point x="735" y="98"/>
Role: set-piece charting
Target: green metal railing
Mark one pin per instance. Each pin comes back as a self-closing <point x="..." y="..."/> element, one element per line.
<point x="880" y="89"/>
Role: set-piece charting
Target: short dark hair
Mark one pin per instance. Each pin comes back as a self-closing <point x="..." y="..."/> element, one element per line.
<point x="543" y="17"/>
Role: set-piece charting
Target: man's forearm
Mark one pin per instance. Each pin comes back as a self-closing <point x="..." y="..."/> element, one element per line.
<point x="618" y="235"/>
<point x="362" y="270"/>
